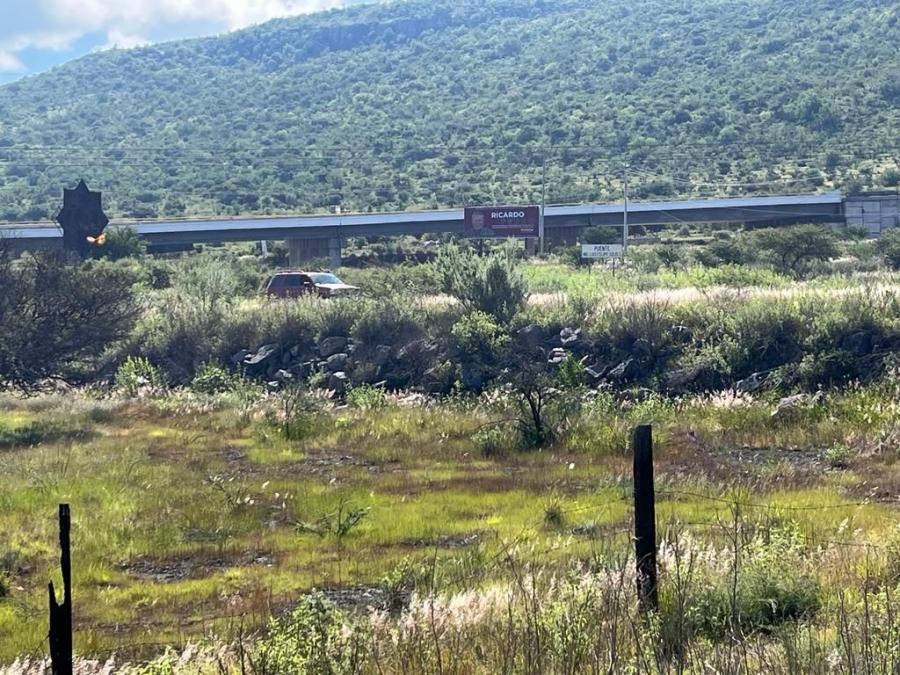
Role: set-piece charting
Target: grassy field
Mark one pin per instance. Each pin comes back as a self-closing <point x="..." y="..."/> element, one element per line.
<point x="270" y="528"/>
<point x="194" y="518"/>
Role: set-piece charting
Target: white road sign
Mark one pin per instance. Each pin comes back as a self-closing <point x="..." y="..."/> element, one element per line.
<point x="601" y="250"/>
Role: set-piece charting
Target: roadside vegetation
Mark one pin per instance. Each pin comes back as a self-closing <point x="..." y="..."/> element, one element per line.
<point x="435" y="477"/>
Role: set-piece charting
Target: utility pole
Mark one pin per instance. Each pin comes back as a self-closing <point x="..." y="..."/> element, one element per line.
<point x="543" y="206"/>
<point x="625" y="214"/>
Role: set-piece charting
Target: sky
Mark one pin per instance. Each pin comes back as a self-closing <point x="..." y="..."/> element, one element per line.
<point x="38" y="34"/>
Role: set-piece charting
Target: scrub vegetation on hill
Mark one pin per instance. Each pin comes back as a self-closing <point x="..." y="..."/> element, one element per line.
<point x="426" y="104"/>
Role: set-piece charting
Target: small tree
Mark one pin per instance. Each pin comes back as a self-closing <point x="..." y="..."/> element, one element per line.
<point x="601" y="234"/>
<point x="793" y="249"/>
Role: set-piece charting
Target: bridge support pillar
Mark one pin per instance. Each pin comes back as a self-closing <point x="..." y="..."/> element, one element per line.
<point x="305" y="250"/>
<point x="334" y="252"/>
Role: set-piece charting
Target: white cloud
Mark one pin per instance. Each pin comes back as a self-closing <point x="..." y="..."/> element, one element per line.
<point x="117" y="39"/>
<point x="11" y="46"/>
<point x="10" y="63"/>
<point x="127" y="22"/>
<point x="134" y="15"/>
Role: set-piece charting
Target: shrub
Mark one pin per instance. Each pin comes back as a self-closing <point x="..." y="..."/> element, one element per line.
<point x="121" y="242"/>
<point x="335" y="317"/>
<point x="57" y="320"/>
<point x="208" y="282"/>
<point x="855" y="232"/>
<point x="889" y="245"/>
<point x="311" y="639"/>
<point x="670" y="256"/>
<point x="297" y="414"/>
<point x="493" y="441"/>
<point x="180" y="335"/>
<point x="890" y="178"/>
<point x="493" y="284"/>
<point x="479" y="337"/>
<point x="775" y="583"/>
<point x="211" y="379"/>
<point x="571" y="373"/>
<point x="380" y="323"/>
<point x="137" y="374"/>
<point x="728" y="251"/>
<point x="366" y="397"/>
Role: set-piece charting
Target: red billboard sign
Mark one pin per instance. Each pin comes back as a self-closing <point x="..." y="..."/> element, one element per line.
<point x="502" y="221"/>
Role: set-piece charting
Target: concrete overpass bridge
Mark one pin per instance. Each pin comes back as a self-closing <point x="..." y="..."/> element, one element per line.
<point x="321" y="235"/>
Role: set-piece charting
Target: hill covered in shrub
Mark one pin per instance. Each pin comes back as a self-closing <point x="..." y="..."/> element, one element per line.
<point x="425" y="104"/>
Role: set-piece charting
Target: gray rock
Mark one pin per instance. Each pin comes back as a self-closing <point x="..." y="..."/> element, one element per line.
<point x="532" y="335"/>
<point x="332" y="345"/>
<point x="569" y="336"/>
<point x="262" y="356"/>
<point x="751" y="384"/>
<point x="338" y="383"/>
<point x="789" y="406"/>
<point x="556" y="356"/>
<point x="627" y="370"/>
<point x="240" y="357"/>
<point x="284" y="376"/>
<point x="337" y="362"/>
<point x="682" y="377"/>
<point x="595" y="372"/>
<point x="304" y="370"/>
<point x="417" y="348"/>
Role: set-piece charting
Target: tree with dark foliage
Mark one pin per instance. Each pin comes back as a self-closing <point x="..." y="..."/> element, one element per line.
<point x="56" y="321"/>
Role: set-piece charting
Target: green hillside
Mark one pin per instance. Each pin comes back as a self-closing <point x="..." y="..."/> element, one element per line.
<point x="425" y="104"/>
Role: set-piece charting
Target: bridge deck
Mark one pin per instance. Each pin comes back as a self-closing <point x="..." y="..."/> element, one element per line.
<point x="750" y="209"/>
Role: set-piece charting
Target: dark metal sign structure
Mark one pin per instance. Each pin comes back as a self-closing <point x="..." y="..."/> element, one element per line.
<point x="502" y="221"/>
<point x="82" y="219"/>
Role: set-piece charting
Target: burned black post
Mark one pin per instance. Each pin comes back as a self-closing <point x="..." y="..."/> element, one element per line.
<point x="645" y="517"/>
<point x="82" y="219"/>
<point x="61" y="614"/>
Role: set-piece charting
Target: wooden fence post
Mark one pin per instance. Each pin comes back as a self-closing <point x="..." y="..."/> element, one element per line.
<point x="61" y="614"/>
<point x="645" y="517"/>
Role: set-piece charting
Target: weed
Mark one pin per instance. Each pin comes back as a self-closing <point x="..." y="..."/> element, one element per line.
<point x="366" y="397"/>
<point x="296" y="415"/>
<point x="493" y="441"/>
<point x="137" y="375"/>
<point x="554" y="515"/>
<point x="338" y="523"/>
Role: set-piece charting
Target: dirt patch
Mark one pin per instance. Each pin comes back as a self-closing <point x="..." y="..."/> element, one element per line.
<point x="357" y="599"/>
<point x="196" y="565"/>
<point x="686" y="456"/>
<point x="451" y="541"/>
